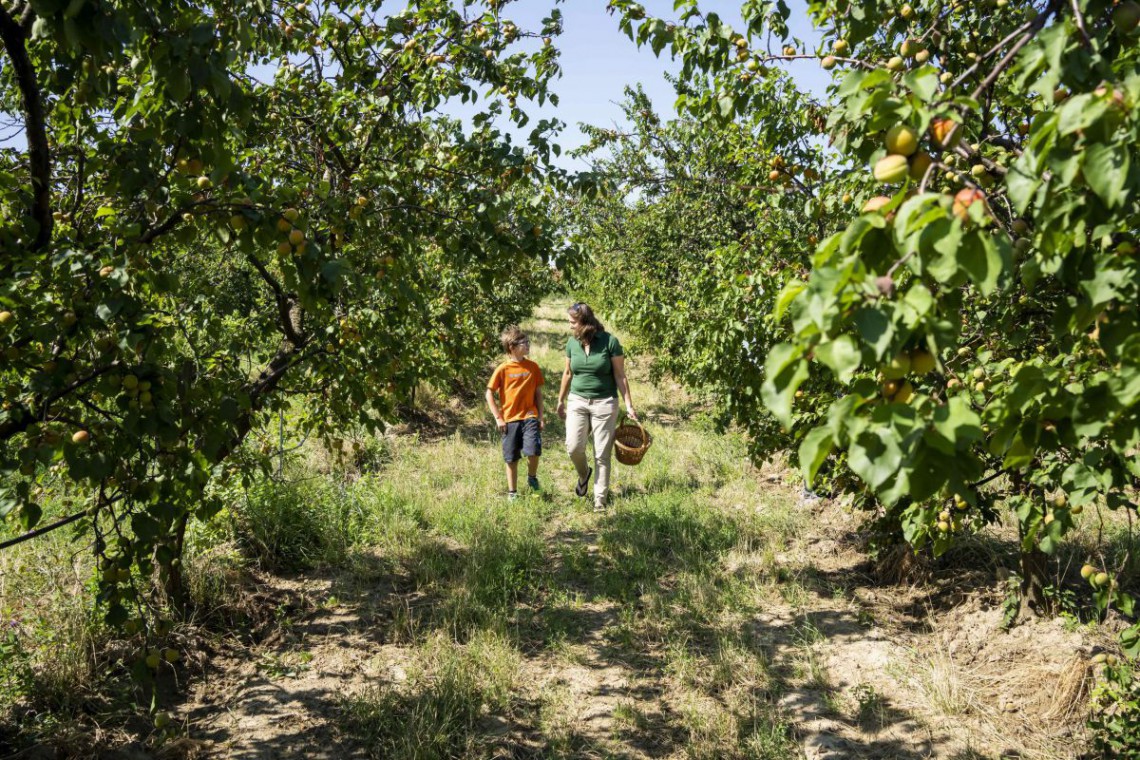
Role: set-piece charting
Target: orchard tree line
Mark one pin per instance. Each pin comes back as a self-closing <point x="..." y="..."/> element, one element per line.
<point x="924" y="284"/>
<point x="223" y="210"/>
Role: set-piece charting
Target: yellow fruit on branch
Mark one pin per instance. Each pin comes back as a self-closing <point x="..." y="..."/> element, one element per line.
<point x="921" y="361"/>
<point x="891" y="169"/>
<point x="1126" y="17"/>
<point x="919" y="164"/>
<point x="80" y="437"/>
<point x="875" y="204"/>
<point x="902" y="139"/>
<point x="945" y="133"/>
<point x="897" y="367"/>
<point x="296" y="237"/>
<point x="965" y="198"/>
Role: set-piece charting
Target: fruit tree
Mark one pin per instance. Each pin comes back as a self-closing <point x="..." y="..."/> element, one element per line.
<point x="221" y="208"/>
<point x="976" y="298"/>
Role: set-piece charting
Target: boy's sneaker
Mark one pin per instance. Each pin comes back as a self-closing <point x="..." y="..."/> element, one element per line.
<point x="583" y="484"/>
<point x="532" y="481"/>
<point x="512" y="495"/>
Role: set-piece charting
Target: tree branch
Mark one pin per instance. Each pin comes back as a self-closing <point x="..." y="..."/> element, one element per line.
<point x="14" y="36"/>
<point x="1037" y="25"/>
<point x="41" y="531"/>
<point x="285" y="304"/>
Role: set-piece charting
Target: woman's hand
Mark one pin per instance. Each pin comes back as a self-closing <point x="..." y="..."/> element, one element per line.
<point x="631" y="413"/>
<point x="561" y="410"/>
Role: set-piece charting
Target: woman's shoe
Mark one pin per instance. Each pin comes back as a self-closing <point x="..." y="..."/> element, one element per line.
<point x="583" y="484"/>
<point x="532" y="481"/>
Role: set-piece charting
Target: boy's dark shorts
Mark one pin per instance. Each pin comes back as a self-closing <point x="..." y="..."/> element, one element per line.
<point x="522" y="438"/>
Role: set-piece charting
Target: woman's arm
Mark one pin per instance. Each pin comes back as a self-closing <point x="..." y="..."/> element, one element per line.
<point x="564" y="390"/>
<point x="618" y="363"/>
<point x="538" y="406"/>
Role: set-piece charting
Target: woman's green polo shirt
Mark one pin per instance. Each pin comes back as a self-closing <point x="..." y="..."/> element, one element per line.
<point x="593" y="373"/>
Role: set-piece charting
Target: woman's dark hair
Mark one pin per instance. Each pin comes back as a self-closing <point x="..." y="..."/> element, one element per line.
<point x="586" y="325"/>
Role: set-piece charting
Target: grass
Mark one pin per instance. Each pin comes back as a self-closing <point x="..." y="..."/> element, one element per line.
<point x="509" y="617"/>
<point x="658" y="584"/>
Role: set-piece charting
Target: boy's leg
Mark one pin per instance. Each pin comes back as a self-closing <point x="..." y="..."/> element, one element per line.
<point x="532" y="445"/>
<point x="605" y="415"/>
<point x="512" y="447"/>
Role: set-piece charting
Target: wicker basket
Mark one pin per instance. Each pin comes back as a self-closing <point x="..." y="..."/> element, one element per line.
<point x="631" y="441"/>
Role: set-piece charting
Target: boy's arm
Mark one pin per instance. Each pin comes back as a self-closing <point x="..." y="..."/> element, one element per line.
<point x="494" y="407"/>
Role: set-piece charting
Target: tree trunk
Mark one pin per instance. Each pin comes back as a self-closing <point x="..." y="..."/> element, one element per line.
<point x="175" y="578"/>
<point x="1034" y="566"/>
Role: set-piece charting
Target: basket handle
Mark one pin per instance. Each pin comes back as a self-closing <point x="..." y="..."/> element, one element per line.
<point x="625" y="416"/>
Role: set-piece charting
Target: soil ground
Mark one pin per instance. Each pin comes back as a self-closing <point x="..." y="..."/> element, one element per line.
<point x="812" y="654"/>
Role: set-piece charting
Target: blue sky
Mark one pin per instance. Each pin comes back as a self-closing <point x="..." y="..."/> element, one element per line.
<point x="599" y="61"/>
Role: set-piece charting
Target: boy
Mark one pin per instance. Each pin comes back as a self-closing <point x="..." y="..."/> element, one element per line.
<point x="518" y="381"/>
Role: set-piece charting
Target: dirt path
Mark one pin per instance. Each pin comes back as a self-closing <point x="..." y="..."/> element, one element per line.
<point x="869" y="671"/>
<point x="714" y="612"/>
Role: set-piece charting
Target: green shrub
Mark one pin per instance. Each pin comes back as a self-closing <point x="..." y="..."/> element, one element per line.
<point x="296" y="525"/>
<point x="1116" y="712"/>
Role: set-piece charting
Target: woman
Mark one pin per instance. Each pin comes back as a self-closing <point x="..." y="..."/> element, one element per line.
<point x="587" y="400"/>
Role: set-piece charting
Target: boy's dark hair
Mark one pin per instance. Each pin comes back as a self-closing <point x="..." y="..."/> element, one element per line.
<point x="511" y="337"/>
<point x="586" y="325"/>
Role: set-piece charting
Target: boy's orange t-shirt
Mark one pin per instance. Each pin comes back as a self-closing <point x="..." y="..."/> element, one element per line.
<point x="516" y="381"/>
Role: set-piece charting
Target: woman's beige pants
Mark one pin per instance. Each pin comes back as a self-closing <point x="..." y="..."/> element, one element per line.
<point x="599" y="415"/>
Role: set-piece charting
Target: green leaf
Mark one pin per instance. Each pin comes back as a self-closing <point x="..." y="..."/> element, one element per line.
<point x="981" y="257"/>
<point x="923" y="82"/>
<point x="784" y="371"/>
<point x="1022" y="180"/>
<point x="814" y="449"/>
<point x="875" y="457"/>
<point x="1106" y="171"/>
<point x="841" y="356"/>
<point x="787" y="295"/>
<point x="1130" y="640"/>
<point x="876" y="329"/>
<point x="726" y="104"/>
<point x="955" y="426"/>
<point x="1080" y="112"/>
